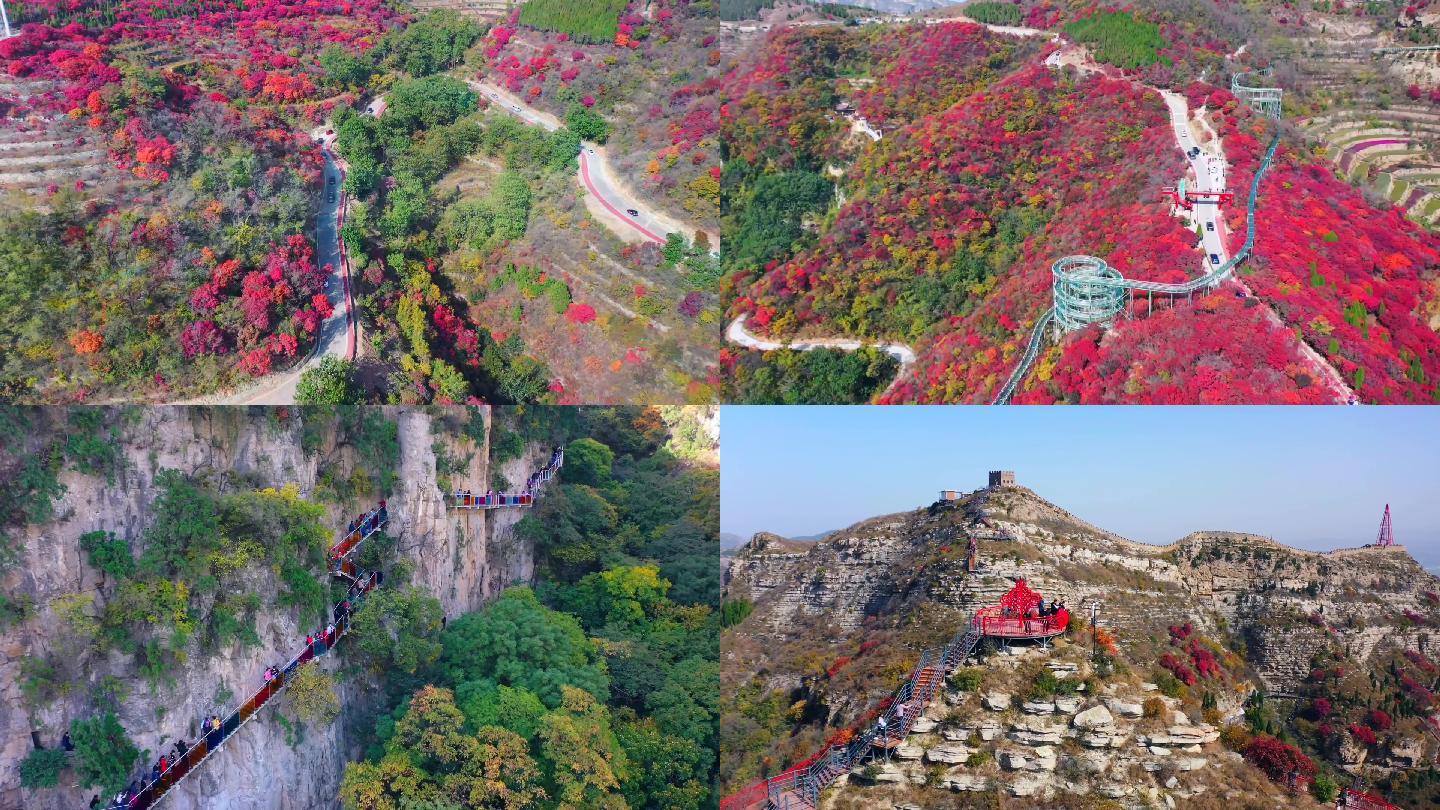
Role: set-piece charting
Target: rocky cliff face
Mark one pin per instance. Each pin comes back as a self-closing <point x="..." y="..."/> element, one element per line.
<point x="463" y="560"/>
<point x="1248" y="583"/>
<point x="901" y="581"/>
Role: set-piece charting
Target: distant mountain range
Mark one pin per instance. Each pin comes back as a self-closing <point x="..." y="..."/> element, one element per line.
<point x="729" y="541"/>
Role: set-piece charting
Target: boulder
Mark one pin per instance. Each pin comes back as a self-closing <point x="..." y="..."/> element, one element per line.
<point x="1125" y="709"/>
<point x="1038" y="707"/>
<point x="1097" y="717"/>
<point x="949" y="754"/>
<point x="997" y="701"/>
<point x="989" y="732"/>
<point x="1159" y="751"/>
<point x="955" y="734"/>
<point x="1067" y="705"/>
<point x="964" y="781"/>
<point x="1092" y="761"/>
<point x="923" y="725"/>
<point x="1114" y="790"/>
<point x="1190" y="763"/>
<point x="1096" y="739"/>
<point x="1406" y="752"/>
<point x="909" y="752"/>
<point x="1045" y="759"/>
<point x="1013" y="760"/>
<point x="1026" y="787"/>
<point x="1027" y="737"/>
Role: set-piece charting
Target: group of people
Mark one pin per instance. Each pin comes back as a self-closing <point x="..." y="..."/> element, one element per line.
<point x="210" y="727"/>
<point x="127" y="798"/>
<point x="369" y="521"/>
<point x="465" y="497"/>
<point x="524" y="497"/>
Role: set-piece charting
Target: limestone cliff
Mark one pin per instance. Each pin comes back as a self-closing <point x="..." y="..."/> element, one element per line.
<point x="463" y="560"/>
<point x="900" y="581"/>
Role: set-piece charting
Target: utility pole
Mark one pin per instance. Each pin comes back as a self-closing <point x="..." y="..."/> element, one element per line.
<point x="5" y="19"/>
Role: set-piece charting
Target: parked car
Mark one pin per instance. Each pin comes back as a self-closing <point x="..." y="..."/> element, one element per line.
<point x="1214" y="258"/>
<point x="632" y="212"/>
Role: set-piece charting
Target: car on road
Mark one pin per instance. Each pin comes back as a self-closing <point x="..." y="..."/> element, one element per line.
<point x="1194" y="150"/>
<point x="1209" y="226"/>
<point x="632" y="212"/>
<point x="1214" y="258"/>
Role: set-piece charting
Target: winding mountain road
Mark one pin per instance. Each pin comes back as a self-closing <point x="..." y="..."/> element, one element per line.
<point x="338" y="333"/>
<point x="737" y="334"/>
<point x="595" y="175"/>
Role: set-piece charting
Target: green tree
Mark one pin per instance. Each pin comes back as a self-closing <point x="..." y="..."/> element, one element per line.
<point x="42" y="768"/>
<point x="588" y="124"/>
<point x="627" y="595"/>
<point x="108" y="553"/>
<point x="344" y="68"/>
<point x="586" y="762"/>
<point x="398" y="629"/>
<point x="689" y="704"/>
<point x="104" y="755"/>
<point x="185" y="531"/>
<point x="486" y="704"/>
<point x="665" y="771"/>
<point x="328" y="382"/>
<point x="516" y="641"/>
<point x="310" y="695"/>
<point x="588" y="462"/>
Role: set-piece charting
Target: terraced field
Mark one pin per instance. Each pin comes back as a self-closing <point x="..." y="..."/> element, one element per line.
<point x="1392" y="151"/>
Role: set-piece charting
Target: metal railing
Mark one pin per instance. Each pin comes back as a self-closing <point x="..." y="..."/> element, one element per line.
<point x="465" y="499"/>
<point x="801" y="785"/>
<point x="214" y="739"/>
<point x="1077" y="291"/>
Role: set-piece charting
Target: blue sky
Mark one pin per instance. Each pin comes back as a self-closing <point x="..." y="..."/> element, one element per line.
<point x="1312" y="477"/>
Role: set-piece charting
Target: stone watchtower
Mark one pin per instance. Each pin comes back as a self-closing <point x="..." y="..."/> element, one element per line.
<point x="1002" y="478"/>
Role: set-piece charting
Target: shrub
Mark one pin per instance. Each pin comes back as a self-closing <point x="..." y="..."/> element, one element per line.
<point x="967" y="679"/>
<point x="1379" y="720"/>
<point x="310" y="694"/>
<point x="1324" y="788"/>
<point x="1235" y="737"/>
<point x="42" y="768"/>
<point x="108" y="553"/>
<point x="1278" y="759"/>
<point x="104" y="755"/>
<point x="1363" y="734"/>
<point x="1154" y="707"/>
<point x="734" y="611"/>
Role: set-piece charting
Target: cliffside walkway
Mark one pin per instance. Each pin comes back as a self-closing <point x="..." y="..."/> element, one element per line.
<point x="886" y="726"/>
<point x="465" y="499"/>
<point x="1087" y="290"/>
<point x="362" y="583"/>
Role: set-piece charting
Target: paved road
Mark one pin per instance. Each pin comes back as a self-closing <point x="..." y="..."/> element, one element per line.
<point x="1209" y="173"/>
<point x="337" y="333"/>
<point x="738" y="335"/>
<point x="595" y="174"/>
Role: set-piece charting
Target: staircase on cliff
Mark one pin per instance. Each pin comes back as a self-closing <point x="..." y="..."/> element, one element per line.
<point x="342" y="564"/>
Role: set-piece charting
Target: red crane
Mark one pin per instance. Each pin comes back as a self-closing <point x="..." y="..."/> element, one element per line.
<point x="1386" y="538"/>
